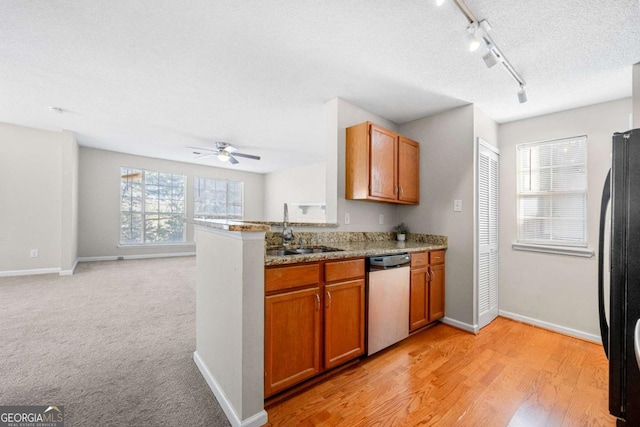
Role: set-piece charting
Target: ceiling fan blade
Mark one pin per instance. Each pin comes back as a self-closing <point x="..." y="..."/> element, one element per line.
<point x="233" y="160"/>
<point x="204" y="156"/>
<point x="203" y="149"/>
<point x="248" y="156"/>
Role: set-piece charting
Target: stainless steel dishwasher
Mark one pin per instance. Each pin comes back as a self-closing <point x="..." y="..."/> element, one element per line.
<point x="388" y="283"/>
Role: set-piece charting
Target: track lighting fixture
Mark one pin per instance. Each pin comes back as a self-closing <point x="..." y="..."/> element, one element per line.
<point x="478" y="34"/>
<point x="522" y="95"/>
<point x="473" y="41"/>
<point x="489" y="58"/>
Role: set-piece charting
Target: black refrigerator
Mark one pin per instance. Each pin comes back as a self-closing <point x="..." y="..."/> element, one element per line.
<point x="622" y="195"/>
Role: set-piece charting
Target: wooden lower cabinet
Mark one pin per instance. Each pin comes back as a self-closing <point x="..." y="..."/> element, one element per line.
<point x="419" y="308"/>
<point x="292" y="338"/>
<point x="343" y="322"/>
<point x="314" y="320"/>
<point x="436" y="292"/>
<point x="427" y="288"/>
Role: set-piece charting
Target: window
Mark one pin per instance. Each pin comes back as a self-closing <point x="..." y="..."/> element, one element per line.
<point x="152" y="207"/>
<point x="552" y="192"/>
<point x="218" y="198"/>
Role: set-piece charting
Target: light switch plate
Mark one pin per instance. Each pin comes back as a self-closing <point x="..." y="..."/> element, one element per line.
<point x="457" y="205"/>
<point x="381" y="219"/>
<point x="347" y="218"/>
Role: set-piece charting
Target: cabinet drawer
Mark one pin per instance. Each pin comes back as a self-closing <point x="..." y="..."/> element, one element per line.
<point x="342" y="270"/>
<point x="419" y="259"/>
<point x="279" y="278"/>
<point x="436" y="257"/>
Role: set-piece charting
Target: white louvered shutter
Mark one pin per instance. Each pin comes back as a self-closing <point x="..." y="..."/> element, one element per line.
<point x="488" y="174"/>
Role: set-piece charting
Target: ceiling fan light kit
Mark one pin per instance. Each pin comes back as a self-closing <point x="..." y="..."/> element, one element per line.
<point x="477" y="34"/>
<point x="224" y="151"/>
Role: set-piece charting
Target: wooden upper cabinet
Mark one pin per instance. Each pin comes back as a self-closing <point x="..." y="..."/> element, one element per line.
<point x="381" y="165"/>
<point x="408" y="170"/>
<point x="384" y="163"/>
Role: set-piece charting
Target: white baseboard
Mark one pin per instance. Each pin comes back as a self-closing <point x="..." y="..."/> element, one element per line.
<point x="552" y="327"/>
<point x="30" y="272"/>
<point x="69" y="272"/>
<point x="460" y="325"/>
<point x="140" y="256"/>
<point x="255" y="420"/>
<point x="58" y="270"/>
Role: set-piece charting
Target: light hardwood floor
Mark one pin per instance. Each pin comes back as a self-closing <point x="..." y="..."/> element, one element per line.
<point x="510" y="374"/>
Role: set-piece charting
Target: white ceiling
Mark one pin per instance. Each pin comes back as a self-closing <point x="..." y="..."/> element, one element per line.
<point x="151" y="77"/>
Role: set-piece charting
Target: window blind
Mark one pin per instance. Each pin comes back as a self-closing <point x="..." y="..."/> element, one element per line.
<point x="218" y="198"/>
<point x="552" y="192"/>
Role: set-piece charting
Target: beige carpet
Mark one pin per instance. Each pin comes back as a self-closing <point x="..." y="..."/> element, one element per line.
<point x="113" y="344"/>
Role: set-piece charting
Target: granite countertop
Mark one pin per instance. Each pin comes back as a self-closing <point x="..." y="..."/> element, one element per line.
<point x="223" y="224"/>
<point x="356" y="249"/>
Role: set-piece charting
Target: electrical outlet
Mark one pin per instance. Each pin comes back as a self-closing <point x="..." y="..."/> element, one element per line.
<point x="381" y="219"/>
<point x="457" y="205"/>
<point x="347" y="218"/>
<point x="34" y="253"/>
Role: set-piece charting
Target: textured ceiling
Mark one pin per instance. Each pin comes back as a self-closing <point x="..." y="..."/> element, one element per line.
<point x="151" y="77"/>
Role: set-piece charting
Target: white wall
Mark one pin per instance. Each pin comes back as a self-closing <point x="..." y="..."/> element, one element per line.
<point x="636" y="96"/>
<point x="99" y="200"/>
<point x="556" y="290"/>
<point x="447" y="173"/>
<point x="296" y="186"/>
<point x="37" y="178"/>
<point x="230" y="321"/>
<point x="484" y="127"/>
<point x="364" y="215"/>
<point x="69" y="204"/>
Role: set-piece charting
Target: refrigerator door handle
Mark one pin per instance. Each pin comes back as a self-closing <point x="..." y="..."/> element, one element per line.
<point x="604" y="327"/>
<point x="636" y="342"/>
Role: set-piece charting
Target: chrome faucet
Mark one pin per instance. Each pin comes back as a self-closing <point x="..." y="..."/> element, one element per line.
<point x="287" y="232"/>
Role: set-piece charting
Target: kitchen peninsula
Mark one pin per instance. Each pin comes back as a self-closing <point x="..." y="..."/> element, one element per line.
<point x="231" y="260"/>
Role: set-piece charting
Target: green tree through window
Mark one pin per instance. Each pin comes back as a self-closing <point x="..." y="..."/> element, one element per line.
<point x="152" y="207"/>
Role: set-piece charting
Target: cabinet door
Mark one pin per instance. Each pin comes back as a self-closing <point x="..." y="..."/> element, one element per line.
<point x="384" y="164"/>
<point x="418" y="309"/>
<point x="436" y="292"/>
<point x="408" y="170"/>
<point x="343" y="322"/>
<point x="292" y="338"/>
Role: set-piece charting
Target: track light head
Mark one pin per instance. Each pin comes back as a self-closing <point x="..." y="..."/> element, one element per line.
<point x="489" y="59"/>
<point x="473" y="41"/>
<point x="522" y="95"/>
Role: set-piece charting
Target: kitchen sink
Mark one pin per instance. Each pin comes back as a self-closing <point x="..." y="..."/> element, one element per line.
<point x="300" y="251"/>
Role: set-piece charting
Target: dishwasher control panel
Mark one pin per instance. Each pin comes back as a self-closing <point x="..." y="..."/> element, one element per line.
<point x="389" y="261"/>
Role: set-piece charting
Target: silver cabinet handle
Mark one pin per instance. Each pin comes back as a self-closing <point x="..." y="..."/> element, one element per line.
<point x="328" y="299"/>
<point x="318" y="300"/>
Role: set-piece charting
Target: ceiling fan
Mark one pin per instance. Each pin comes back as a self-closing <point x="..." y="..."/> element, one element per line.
<point x="224" y="151"/>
